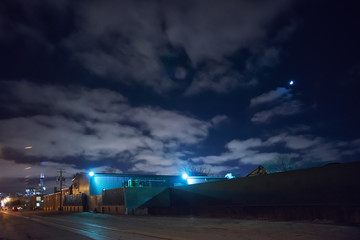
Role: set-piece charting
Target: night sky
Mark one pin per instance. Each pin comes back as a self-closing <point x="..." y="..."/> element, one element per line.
<point x="154" y="86"/>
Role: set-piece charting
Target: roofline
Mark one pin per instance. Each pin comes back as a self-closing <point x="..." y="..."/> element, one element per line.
<point x="150" y="175"/>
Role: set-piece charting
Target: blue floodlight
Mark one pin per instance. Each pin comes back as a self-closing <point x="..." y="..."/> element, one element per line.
<point x="185" y="176"/>
<point x="291" y="82"/>
<point x="91" y="173"/>
<point x="229" y="176"/>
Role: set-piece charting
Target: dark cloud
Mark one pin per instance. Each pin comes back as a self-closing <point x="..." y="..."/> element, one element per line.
<point x="285" y="109"/>
<point x="126" y="41"/>
<point x="218" y="77"/>
<point x="32" y="20"/>
<point x="129" y="41"/>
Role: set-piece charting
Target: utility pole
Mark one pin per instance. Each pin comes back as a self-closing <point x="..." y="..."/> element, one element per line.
<point x="61" y="179"/>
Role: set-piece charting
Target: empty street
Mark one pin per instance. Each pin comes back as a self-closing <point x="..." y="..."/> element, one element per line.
<point x="40" y="225"/>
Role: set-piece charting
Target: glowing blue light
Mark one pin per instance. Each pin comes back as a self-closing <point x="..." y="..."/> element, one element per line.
<point x="229" y="176"/>
<point x="185" y="176"/>
<point x="291" y="82"/>
<point x="191" y="181"/>
<point x="91" y="173"/>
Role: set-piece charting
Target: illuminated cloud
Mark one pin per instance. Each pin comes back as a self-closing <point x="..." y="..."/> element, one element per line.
<point x="285" y="109"/>
<point x="270" y="96"/>
<point x="93" y="124"/>
<point x="307" y="150"/>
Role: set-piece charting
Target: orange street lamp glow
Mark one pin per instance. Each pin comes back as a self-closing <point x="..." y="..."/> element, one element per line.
<point x="29" y="147"/>
<point x="27" y="168"/>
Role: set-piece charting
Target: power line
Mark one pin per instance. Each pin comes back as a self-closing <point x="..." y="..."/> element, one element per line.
<point x="60" y="179"/>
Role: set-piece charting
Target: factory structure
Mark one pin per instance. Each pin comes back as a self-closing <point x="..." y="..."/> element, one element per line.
<point x="330" y="192"/>
<point x="108" y="192"/>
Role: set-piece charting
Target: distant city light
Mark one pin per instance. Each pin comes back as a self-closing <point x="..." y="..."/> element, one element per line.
<point x="291" y="82"/>
<point x="27" y="168"/>
<point x="91" y="173"/>
<point x="185" y="176"/>
<point x="28" y="147"/>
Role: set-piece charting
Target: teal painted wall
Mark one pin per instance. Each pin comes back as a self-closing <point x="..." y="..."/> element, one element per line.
<point x="100" y="182"/>
<point x="145" y="196"/>
<point x="337" y="184"/>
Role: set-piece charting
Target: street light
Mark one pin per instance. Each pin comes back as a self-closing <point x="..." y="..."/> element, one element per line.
<point x="185" y="176"/>
<point x="91" y="173"/>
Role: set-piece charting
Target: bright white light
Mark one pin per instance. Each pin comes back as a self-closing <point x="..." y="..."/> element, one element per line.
<point x="291" y="82"/>
<point x="229" y="176"/>
<point x="191" y="181"/>
<point x="185" y="176"/>
<point x="91" y="173"/>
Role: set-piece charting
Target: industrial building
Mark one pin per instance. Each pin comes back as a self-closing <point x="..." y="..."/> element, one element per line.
<point x="90" y="191"/>
<point x="330" y="192"/>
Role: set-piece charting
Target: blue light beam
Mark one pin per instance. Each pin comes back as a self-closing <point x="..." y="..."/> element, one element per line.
<point x="185" y="176"/>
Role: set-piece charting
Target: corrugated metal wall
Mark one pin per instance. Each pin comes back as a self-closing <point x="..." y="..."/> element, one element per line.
<point x="73" y="200"/>
<point x="52" y="202"/>
<point x="100" y="182"/>
<point x="113" y="197"/>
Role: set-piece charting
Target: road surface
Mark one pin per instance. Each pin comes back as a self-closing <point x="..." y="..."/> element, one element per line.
<point x="53" y="226"/>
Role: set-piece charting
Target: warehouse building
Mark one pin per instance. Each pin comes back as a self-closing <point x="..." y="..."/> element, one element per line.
<point x="90" y="192"/>
<point x="330" y="192"/>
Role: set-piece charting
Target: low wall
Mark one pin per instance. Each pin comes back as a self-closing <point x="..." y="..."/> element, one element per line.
<point x="142" y="197"/>
<point x="330" y="193"/>
<point x="336" y="184"/>
<point x="73" y="209"/>
<point x="115" y="209"/>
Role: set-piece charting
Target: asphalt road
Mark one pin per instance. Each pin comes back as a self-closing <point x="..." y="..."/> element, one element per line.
<point x="41" y="225"/>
